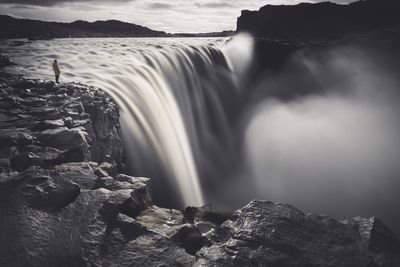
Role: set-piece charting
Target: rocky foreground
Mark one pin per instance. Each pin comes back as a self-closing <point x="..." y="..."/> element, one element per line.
<point x="64" y="200"/>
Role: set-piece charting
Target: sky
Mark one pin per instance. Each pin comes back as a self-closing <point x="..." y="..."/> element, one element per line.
<point x="170" y="16"/>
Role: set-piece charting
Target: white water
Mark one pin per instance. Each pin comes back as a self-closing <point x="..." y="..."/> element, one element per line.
<point x="201" y="136"/>
<point x="163" y="88"/>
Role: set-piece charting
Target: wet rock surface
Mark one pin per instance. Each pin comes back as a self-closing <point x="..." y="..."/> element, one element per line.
<point x="64" y="200"/>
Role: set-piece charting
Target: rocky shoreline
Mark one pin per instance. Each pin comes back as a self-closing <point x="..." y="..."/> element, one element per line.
<point x="65" y="200"/>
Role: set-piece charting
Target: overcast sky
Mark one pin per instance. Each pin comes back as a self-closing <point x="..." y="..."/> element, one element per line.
<point x="170" y="16"/>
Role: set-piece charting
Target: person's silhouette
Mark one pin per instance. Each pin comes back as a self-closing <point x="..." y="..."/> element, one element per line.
<point x="56" y="70"/>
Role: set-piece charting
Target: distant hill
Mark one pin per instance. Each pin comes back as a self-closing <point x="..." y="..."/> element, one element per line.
<point x="320" y="20"/>
<point x="25" y="28"/>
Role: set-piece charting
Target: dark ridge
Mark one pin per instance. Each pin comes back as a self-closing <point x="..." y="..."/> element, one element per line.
<point x="35" y="29"/>
<point x="319" y="21"/>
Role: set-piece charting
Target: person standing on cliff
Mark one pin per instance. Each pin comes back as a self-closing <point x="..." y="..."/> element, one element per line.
<point x="56" y="70"/>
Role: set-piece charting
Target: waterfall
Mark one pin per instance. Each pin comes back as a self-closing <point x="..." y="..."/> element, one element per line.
<point x="178" y="99"/>
<point x="320" y="124"/>
<point x="175" y="105"/>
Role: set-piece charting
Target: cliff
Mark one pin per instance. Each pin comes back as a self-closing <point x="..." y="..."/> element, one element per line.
<point x="319" y="21"/>
<point x="35" y="29"/>
<point x="64" y="200"/>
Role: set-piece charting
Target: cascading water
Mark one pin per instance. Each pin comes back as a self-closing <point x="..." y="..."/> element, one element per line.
<point x="164" y="111"/>
<point x="317" y="129"/>
<point x="172" y="113"/>
<point x="177" y="97"/>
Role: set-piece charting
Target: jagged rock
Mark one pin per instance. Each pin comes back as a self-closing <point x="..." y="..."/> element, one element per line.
<point x="268" y="234"/>
<point x="12" y="137"/>
<point x="78" y="172"/>
<point x="5" y="165"/>
<point x="107" y="145"/>
<point x="94" y="228"/>
<point x="77" y="153"/>
<point x="23" y="161"/>
<point x="106" y="169"/>
<point x="191" y="238"/>
<point x="112" y="184"/>
<point x="40" y="189"/>
<point x="48" y="124"/>
<point x="109" y="168"/>
<point x="69" y="122"/>
<point x="205" y="218"/>
<point x="73" y="236"/>
<point x="162" y="221"/>
<point x="141" y="185"/>
<point x="145" y="250"/>
<point x="71" y="212"/>
<point x="62" y="138"/>
<point x="101" y="172"/>
<point x="35" y="112"/>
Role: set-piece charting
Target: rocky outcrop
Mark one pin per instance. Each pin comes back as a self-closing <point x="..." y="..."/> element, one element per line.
<point x="319" y="20"/>
<point x="64" y="201"/>
<point x="43" y="124"/>
<point x="268" y="234"/>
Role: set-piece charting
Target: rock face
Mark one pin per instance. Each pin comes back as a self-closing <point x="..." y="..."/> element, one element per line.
<point x="46" y="125"/>
<point x="64" y="201"/>
<point x="320" y="20"/>
<point x="268" y="234"/>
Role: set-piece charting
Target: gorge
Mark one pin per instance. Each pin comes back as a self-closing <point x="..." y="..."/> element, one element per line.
<point x="212" y="123"/>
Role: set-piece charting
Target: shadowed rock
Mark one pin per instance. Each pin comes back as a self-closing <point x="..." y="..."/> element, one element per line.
<point x="268" y="234"/>
<point x="324" y="20"/>
<point x="63" y="204"/>
<point x="33" y="116"/>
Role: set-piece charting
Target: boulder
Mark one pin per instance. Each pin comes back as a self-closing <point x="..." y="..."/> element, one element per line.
<point x="106" y="169"/>
<point x="130" y="248"/>
<point x="40" y="189"/>
<point x="73" y="236"/>
<point x="78" y="172"/>
<point x="15" y="137"/>
<point x="62" y="138"/>
<point x="23" y="161"/>
<point x="48" y="124"/>
<point x="268" y="234"/>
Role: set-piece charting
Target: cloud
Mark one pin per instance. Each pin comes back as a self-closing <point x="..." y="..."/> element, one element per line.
<point x="176" y="16"/>
<point x="215" y="5"/>
<point x="158" y="5"/>
<point x="55" y="2"/>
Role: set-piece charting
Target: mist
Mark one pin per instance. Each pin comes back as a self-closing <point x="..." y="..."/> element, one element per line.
<point x="325" y="136"/>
